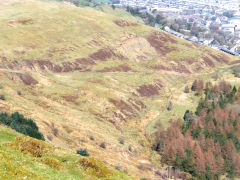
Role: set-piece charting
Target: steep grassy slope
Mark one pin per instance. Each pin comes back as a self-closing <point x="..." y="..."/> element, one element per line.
<point x="89" y="77"/>
<point x="26" y="158"/>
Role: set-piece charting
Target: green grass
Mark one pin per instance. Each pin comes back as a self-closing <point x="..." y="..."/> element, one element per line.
<point x="12" y="166"/>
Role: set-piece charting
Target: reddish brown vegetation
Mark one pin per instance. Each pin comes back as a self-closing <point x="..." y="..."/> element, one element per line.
<point x="222" y="58"/>
<point x="207" y="143"/>
<point x="71" y="98"/>
<point x="25" y="78"/>
<point x="234" y="62"/>
<point x="85" y="61"/>
<point x="186" y="89"/>
<point x="123" y="23"/>
<point x="120" y="68"/>
<point x="198" y="86"/>
<point x="174" y="67"/>
<point x="208" y="61"/>
<point x="159" y="41"/>
<point x="102" y="54"/>
<point x="45" y="65"/>
<point x="125" y="108"/>
<point x="149" y="89"/>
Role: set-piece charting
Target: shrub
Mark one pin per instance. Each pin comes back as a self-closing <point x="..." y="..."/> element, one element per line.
<point x="186" y="90"/>
<point x="170" y="106"/>
<point x="49" y="137"/>
<point x="97" y="168"/>
<point x="32" y="146"/>
<point x="19" y="123"/>
<point x="103" y="145"/>
<point x="121" y="141"/>
<point x="2" y="97"/>
<point x="130" y="148"/>
<point x="82" y="152"/>
<point x="54" y="130"/>
<point x="19" y="92"/>
<point x="53" y="163"/>
<point x="92" y="138"/>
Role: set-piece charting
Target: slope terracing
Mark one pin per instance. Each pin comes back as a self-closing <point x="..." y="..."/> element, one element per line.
<point x="89" y="77"/>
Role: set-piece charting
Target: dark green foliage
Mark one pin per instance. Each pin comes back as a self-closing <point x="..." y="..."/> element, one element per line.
<point x="113" y="7"/>
<point x="199" y="107"/>
<point x="103" y="145"/>
<point x="186" y="164"/>
<point x="196" y="132"/>
<point x="229" y="166"/>
<point x="82" y="152"/>
<point x="133" y="11"/>
<point x="81" y="3"/>
<point x="188" y="119"/>
<point x="236" y="143"/>
<point x="218" y="137"/>
<point x="2" y="97"/>
<point x="121" y="141"/>
<point x="19" y="123"/>
<point x="160" y="146"/>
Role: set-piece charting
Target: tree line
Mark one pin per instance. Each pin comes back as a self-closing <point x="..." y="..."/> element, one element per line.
<point x="206" y="143"/>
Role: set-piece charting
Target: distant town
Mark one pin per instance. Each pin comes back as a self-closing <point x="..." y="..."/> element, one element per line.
<point x="214" y="23"/>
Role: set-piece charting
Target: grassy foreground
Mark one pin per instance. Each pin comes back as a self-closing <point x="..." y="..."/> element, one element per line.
<point x="23" y="157"/>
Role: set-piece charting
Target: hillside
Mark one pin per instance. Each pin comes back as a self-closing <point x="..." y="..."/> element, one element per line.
<point x="90" y="76"/>
<point x="43" y="161"/>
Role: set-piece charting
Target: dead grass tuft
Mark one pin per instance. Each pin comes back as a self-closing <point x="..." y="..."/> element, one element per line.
<point x="53" y="163"/>
<point x="98" y="168"/>
<point x="31" y="146"/>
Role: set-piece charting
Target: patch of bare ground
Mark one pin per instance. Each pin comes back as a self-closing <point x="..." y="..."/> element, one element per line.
<point x="159" y="41"/>
<point x="120" y="68"/>
<point x="123" y="23"/>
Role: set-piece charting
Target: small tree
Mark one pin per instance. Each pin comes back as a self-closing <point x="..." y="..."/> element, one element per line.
<point x="170" y="106"/>
<point x="186" y="90"/>
<point x="2" y="97"/>
<point x="103" y="145"/>
<point x="113" y="7"/>
<point x="194" y="85"/>
<point x="121" y="141"/>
